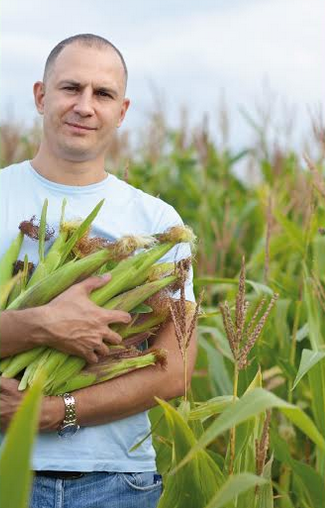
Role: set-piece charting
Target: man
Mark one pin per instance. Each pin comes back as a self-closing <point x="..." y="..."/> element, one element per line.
<point x="82" y="100"/>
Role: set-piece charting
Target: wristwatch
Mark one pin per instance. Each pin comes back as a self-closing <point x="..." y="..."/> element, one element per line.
<point x="69" y="425"/>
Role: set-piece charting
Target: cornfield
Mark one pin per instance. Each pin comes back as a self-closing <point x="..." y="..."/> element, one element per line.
<point x="251" y="431"/>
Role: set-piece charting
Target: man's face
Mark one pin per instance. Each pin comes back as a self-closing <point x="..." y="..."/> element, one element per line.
<point x="82" y="101"/>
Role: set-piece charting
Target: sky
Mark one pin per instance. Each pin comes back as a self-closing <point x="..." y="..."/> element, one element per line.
<point x="251" y="55"/>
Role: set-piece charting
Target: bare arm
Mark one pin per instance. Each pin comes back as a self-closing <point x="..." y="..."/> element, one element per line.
<point x="20" y="330"/>
<point x="112" y="400"/>
<point x="129" y="394"/>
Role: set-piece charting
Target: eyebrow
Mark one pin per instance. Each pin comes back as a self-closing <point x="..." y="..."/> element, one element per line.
<point x="101" y="88"/>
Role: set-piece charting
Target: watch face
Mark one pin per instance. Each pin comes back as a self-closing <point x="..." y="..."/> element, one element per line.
<point x="68" y="430"/>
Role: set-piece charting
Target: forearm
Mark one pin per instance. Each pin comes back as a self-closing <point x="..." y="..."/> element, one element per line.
<point x="20" y="330"/>
<point x="113" y="400"/>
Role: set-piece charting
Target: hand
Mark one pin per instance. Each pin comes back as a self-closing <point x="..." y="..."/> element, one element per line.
<point x="72" y="323"/>
<point x="10" y="399"/>
<point x="51" y="413"/>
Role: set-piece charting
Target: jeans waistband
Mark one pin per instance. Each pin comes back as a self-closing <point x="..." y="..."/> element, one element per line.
<point x="61" y="475"/>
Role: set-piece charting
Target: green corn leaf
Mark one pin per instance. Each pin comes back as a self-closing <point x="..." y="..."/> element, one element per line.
<point x="233" y="487"/>
<point x="294" y="232"/>
<point x="313" y="313"/>
<point x="265" y="492"/>
<point x="308" y="360"/>
<point x="218" y="374"/>
<point x="15" y="461"/>
<point x="251" y="404"/>
<point x="211" y="407"/>
<point x="311" y="487"/>
<point x="259" y="288"/>
<point x="194" y="486"/>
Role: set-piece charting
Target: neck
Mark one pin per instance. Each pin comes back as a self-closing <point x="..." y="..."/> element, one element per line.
<point x="68" y="172"/>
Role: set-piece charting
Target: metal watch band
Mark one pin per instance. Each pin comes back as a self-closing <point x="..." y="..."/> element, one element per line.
<point x="70" y="409"/>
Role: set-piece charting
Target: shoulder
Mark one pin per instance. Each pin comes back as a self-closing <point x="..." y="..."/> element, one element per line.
<point x="160" y="214"/>
<point x="9" y="173"/>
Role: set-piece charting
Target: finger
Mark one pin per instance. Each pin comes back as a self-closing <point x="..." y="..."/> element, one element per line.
<point x="117" y="316"/>
<point x="102" y="350"/>
<point x="91" y="357"/>
<point x="112" y="337"/>
<point x="94" y="282"/>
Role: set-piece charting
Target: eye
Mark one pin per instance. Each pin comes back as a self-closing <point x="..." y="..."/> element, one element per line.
<point x="70" y="88"/>
<point x="104" y="94"/>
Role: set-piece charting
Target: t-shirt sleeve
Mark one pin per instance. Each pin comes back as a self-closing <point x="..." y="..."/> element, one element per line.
<point x="181" y="251"/>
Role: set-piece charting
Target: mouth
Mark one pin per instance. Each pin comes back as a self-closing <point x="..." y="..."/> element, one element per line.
<point x="80" y="128"/>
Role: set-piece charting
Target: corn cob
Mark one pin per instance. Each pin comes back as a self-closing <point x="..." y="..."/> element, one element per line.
<point x="21" y="283"/>
<point x="7" y="289"/>
<point x="113" y="367"/>
<point x="60" y="280"/>
<point x="48" y="363"/>
<point x="126" y="301"/>
<point x="21" y="361"/>
<point x="7" y="262"/>
<point x="67" y="370"/>
<point x="4" y="363"/>
<point x="127" y="274"/>
<point x="129" y="300"/>
<point x="132" y="272"/>
<point x="61" y="248"/>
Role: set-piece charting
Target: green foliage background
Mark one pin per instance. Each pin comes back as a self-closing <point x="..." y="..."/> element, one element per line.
<point x="273" y="215"/>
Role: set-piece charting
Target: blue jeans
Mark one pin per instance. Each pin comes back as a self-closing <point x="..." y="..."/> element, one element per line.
<point x="98" y="490"/>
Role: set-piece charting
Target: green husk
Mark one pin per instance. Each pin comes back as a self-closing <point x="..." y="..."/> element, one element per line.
<point x="21" y="283"/>
<point x="151" y="320"/>
<point x="4" y="363"/>
<point x="8" y="259"/>
<point x="126" y="301"/>
<point x="49" y="363"/>
<point x="29" y="371"/>
<point x="80" y="232"/>
<point x="129" y="273"/>
<point x="68" y="370"/>
<point x="21" y="361"/>
<point x="60" y="280"/>
<point x="111" y="368"/>
<point x="132" y="298"/>
<point x="7" y="289"/>
<point x="41" y="270"/>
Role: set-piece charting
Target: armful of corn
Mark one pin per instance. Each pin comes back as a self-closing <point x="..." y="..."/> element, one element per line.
<point x="135" y="278"/>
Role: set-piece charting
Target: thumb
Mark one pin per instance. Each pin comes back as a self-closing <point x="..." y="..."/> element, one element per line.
<point x="95" y="282"/>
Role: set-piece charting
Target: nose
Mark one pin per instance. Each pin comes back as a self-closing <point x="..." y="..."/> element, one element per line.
<point x="84" y="105"/>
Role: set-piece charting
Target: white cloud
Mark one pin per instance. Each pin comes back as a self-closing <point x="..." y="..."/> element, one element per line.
<point x="191" y="50"/>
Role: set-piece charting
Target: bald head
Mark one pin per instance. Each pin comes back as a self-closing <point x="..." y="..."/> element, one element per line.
<point x="87" y="40"/>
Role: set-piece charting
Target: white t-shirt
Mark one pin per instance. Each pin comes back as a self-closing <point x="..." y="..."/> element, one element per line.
<point x="126" y="210"/>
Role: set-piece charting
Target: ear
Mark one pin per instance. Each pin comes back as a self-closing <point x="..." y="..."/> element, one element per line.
<point x="39" y="93"/>
<point x="124" y="108"/>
